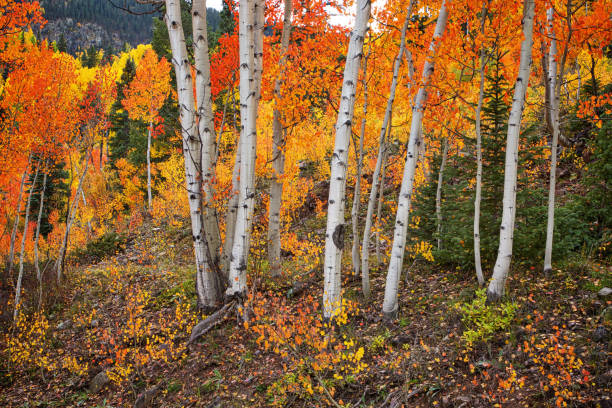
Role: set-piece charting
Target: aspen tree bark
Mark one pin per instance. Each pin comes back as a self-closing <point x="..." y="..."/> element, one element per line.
<point x="381" y="197"/>
<point x="41" y="204"/>
<point x="248" y="140"/>
<point x="230" y="216"/>
<point x="149" y="195"/>
<point x="278" y="152"/>
<point x="439" y="192"/>
<point x="359" y="164"/>
<point x="404" y="200"/>
<point x="23" y="241"/>
<point x="365" y="245"/>
<point x="59" y="263"/>
<point x="478" y="198"/>
<point x="206" y="127"/>
<point x="500" y="273"/>
<point x="11" y="256"/>
<point x="334" y="236"/>
<point x="208" y="283"/>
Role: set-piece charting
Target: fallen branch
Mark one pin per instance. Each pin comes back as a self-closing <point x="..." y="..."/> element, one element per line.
<point x="211" y="321"/>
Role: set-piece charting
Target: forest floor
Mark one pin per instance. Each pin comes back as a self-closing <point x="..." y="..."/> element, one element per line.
<point x="116" y="337"/>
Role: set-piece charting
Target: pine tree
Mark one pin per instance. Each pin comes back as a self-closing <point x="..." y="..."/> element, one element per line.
<point x="119" y="142"/>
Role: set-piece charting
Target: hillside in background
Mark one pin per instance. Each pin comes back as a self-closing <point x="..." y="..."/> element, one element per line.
<point x="98" y="23"/>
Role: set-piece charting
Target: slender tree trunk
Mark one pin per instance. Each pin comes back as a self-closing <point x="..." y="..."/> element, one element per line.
<point x="381" y="197"/>
<point x="359" y="164"/>
<point x="149" y="195"/>
<point x="248" y="139"/>
<point x="405" y="196"/>
<point x="23" y="241"/>
<point x="439" y="192"/>
<point x="365" y="246"/>
<point x="59" y="263"/>
<point x="278" y="158"/>
<point x="11" y="256"/>
<point x="504" y="256"/>
<point x="206" y="130"/>
<point x="334" y="236"/>
<point x="478" y="198"/>
<point x="41" y="204"/>
<point x="208" y="282"/>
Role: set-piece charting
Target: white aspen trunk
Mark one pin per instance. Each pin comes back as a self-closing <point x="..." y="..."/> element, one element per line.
<point x="248" y="140"/>
<point x="334" y="236"/>
<point x="89" y="229"/>
<point x="208" y="285"/>
<point x="439" y="192"/>
<point x="149" y="195"/>
<point x="404" y="200"/>
<point x="478" y="198"/>
<point x="381" y="197"/>
<point x="230" y="216"/>
<point x="11" y="256"/>
<point x="206" y="127"/>
<point x="278" y="153"/>
<point x="59" y="263"/>
<point x="23" y="241"/>
<point x="41" y="204"/>
<point x="500" y="273"/>
<point x="365" y="245"/>
<point x="553" y="111"/>
<point x="359" y="164"/>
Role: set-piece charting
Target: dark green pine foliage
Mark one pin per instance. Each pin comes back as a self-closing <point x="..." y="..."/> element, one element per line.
<point x="119" y="143"/>
<point x="90" y="57"/>
<point x="55" y="195"/>
<point x="458" y="191"/>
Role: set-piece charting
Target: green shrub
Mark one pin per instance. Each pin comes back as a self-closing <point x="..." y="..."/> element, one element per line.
<point x="108" y="244"/>
<point x="483" y="320"/>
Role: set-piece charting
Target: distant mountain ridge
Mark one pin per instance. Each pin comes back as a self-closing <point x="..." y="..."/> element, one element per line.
<point x="98" y="23"/>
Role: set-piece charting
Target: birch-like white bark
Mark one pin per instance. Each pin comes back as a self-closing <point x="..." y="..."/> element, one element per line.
<point x="208" y="285"/>
<point x="334" y="236"/>
<point x="232" y="210"/>
<point x="478" y="198"/>
<point x="278" y="153"/>
<point x="405" y="196"/>
<point x="502" y="265"/>
<point x="206" y="127"/>
<point x="59" y="263"/>
<point x="11" y="256"/>
<point x="248" y="140"/>
<point x="439" y="193"/>
<point x="365" y="245"/>
<point x="359" y="164"/>
<point x="553" y="111"/>
<point x="23" y="241"/>
<point x="41" y="204"/>
<point x="381" y="197"/>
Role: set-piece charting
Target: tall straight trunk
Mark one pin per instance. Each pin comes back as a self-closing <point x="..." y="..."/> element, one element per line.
<point x="89" y="229"/>
<point x="478" y="198"/>
<point x="230" y="215"/>
<point x="439" y="192"/>
<point x="59" y="263"/>
<point x="149" y="195"/>
<point x="381" y="197"/>
<point x="11" y="256"/>
<point x="248" y="140"/>
<point x="334" y="236"/>
<point x="504" y="256"/>
<point x="365" y="245"/>
<point x="23" y="241"/>
<point x="41" y="204"/>
<point x="404" y="200"/>
<point x="278" y="153"/>
<point x="359" y="164"/>
<point x="206" y="130"/>
<point x="208" y="281"/>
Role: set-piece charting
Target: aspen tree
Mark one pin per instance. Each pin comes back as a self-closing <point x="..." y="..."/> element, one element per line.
<point x="278" y="152"/>
<point x="439" y="192"/>
<point x="11" y="256"/>
<point x="359" y="164"/>
<point x="335" y="231"/>
<point x="23" y="241"/>
<point x="365" y="245"/>
<point x="404" y="201"/>
<point x="248" y="139"/>
<point x="500" y="273"/>
<point x="41" y="204"/>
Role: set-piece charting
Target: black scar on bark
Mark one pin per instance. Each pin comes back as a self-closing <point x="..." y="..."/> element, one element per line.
<point x="338" y="236"/>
